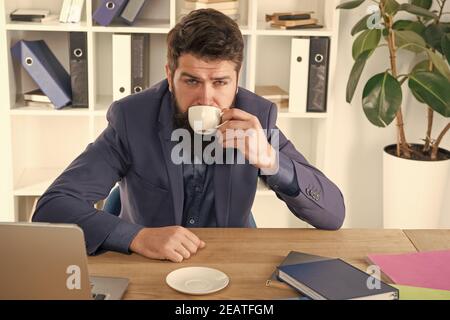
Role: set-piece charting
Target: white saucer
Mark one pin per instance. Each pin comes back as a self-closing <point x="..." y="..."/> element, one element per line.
<point x="197" y="280"/>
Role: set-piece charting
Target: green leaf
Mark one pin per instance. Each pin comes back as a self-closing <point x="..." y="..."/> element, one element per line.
<point x="445" y="44"/>
<point x="350" y="4"/>
<point x="409" y="40"/>
<point x="426" y="4"/>
<point x="415" y="26"/>
<point x="368" y="40"/>
<point x="416" y="10"/>
<point x="355" y="74"/>
<point x="360" y="25"/>
<point x="421" y="66"/>
<point x="433" y="36"/>
<point x="391" y="7"/>
<point x="382" y="98"/>
<point x="434" y="89"/>
<point x="439" y="63"/>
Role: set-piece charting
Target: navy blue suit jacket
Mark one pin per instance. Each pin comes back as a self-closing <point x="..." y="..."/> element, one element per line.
<point x="135" y="149"/>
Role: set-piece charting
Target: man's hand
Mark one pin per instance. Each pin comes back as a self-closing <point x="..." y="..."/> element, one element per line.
<point x="173" y="243"/>
<point x="251" y="141"/>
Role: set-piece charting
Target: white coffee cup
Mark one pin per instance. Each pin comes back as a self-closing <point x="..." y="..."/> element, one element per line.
<point x="204" y="119"/>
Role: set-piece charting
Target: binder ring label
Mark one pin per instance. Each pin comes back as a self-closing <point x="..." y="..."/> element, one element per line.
<point x="78" y="53"/>
<point x="110" y="5"/>
<point x="29" y="61"/>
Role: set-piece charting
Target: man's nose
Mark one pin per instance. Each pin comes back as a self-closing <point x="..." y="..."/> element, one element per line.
<point x="206" y="95"/>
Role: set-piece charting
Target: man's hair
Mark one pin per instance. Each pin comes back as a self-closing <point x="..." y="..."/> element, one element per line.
<point x="207" y="34"/>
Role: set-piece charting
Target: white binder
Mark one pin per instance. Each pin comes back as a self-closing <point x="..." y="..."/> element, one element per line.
<point x="65" y="11"/>
<point x="298" y="87"/>
<point x="76" y="11"/>
<point x="121" y="66"/>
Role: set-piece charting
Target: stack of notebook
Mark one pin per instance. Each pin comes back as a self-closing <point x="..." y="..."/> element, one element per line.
<point x="32" y="15"/>
<point x="422" y="275"/>
<point x="227" y="7"/>
<point x="322" y="278"/>
<point x="292" y="20"/>
<point x="274" y="94"/>
<point x="36" y="98"/>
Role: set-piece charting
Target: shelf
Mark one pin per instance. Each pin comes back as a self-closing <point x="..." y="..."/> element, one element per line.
<point x="47" y="26"/>
<point x="34" y="182"/>
<point x="46" y="111"/>
<point x="264" y="29"/>
<point x="140" y="26"/>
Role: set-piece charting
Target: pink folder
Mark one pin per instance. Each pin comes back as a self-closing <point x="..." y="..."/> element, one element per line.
<point x="424" y="269"/>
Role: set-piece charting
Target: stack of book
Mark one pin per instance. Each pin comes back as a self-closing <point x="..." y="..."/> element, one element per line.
<point x="274" y="94"/>
<point x="36" y="98"/>
<point x="292" y="20"/>
<point x="323" y="278"/>
<point x="32" y="15"/>
<point x="420" y="275"/>
<point x="227" y="7"/>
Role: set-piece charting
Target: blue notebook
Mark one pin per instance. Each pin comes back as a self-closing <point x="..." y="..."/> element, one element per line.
<point x="335" y="280"/>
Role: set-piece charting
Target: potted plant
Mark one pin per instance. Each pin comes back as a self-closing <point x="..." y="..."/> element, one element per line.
<point x="415" y="175"/>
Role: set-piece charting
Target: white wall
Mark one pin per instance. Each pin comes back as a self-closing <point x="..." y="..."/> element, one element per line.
<point x="358" y="144"/>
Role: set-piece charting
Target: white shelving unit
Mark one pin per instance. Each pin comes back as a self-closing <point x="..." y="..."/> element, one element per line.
<point x="38" y="143"/>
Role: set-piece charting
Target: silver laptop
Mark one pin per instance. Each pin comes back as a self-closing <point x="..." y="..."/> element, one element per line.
<point x="48" y="261"/>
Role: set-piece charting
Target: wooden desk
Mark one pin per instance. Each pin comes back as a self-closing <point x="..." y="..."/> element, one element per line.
<point x="429" y="240"/>
<point x="248" y="257"/>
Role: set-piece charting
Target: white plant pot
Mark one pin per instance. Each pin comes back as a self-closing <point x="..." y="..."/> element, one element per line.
<point x="413" y="192"/>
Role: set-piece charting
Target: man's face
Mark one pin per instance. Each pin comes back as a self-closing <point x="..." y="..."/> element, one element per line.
<point x="200" y="82"/>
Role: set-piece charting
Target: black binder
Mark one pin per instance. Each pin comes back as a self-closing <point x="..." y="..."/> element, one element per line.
<point x="140" y="60"/>
<point x="79" y="69"/>
<point x="318" y="74"/>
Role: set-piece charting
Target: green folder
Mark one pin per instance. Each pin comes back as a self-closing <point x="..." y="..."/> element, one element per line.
<point x="416" y="293"/>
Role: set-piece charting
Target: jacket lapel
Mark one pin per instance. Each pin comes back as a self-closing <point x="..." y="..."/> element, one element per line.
<point x="175" y="172"/>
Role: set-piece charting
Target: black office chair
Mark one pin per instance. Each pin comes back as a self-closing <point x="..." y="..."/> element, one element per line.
<point x="113" y="206"/>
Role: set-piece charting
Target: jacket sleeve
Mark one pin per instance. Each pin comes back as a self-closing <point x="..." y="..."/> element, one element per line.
<point x="319" y="201"/>
<point x="87" y="180"/>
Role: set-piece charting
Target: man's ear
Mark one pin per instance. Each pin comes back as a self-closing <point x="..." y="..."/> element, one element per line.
<point x="169" y="77"/>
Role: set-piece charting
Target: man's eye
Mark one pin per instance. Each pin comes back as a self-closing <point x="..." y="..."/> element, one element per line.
<point x="220" y="83"/>
<point x="191" y="82"/>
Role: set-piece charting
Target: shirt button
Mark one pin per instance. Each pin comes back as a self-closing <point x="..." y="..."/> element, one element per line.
<point x="192" y="221"/>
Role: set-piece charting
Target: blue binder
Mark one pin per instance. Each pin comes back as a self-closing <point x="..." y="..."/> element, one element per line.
<point x="108" y="10"/>
<point x="45" y="69"/>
